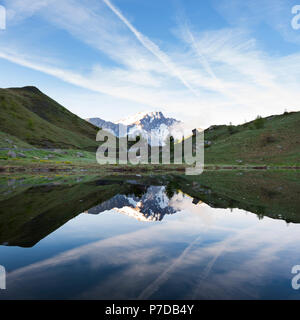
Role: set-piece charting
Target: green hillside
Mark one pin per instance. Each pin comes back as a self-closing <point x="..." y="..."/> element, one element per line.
<point x="273" y="140"/>
<point x="31" y="116"/>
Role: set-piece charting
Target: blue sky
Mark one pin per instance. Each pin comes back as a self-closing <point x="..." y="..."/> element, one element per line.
<point x="205" y="62"/>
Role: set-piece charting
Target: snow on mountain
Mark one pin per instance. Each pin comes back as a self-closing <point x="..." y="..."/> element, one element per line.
<point x="136" y="118"/>
<point x="153" y="205"/>
<point x="144" y="124"/>
<point x="107" y="125"/>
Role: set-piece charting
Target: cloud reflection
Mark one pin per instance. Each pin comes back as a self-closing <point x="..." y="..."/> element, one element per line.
<point x="202" y="253"/>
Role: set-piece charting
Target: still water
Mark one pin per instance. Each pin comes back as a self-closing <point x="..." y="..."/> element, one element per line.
<point x="148" y="238"/>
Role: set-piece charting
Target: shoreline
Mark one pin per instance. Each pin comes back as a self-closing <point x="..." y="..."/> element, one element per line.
<point x="34" y="168"/>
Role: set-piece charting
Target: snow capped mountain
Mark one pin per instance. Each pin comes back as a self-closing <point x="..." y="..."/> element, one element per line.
<point x="150" y="204"/>
<point x="136" y="118"/>
<point x="153" y="205"/>
<point x="145" y="118"/>
<point x="143" y="123"/>
<point x="107" y="125"/>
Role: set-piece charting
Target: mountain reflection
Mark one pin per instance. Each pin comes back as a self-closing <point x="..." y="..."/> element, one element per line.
<point x="215" y="236"/>
<point x="153" y="205"/>
<point x="31" y="208"/>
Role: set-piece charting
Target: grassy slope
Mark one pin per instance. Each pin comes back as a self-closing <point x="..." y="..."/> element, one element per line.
<point x="9" y="141"/>
<point x="34" y="118"/>
<point x="278" y="142"/>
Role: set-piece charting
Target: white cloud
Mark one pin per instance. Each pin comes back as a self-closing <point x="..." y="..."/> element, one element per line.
<point x="235" y="78"/>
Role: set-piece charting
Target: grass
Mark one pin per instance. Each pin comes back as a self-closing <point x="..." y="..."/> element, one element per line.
<point x="9" y="141"/>
<point x="31" y="116"/>
<point x="277" y="142"/>
<point x="67" y="160"/>
<point x="37" y="155"/>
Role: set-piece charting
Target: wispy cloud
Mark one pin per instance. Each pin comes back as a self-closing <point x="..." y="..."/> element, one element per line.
<point x="232" y="78"/>
<point x="151" y="46"/>
<point x="272" y="14"/>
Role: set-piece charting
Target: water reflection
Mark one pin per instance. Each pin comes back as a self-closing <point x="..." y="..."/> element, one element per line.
<point x="202" y="242"/>
<point x="153" y="205"/>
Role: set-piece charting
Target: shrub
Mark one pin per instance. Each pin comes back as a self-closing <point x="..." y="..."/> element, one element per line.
<point x="270" y="139"/>
<point x="259" y="122"/>
<point x="267" y="140"/>
<point x="232" y="129"/>
<point x="30" y="124"/>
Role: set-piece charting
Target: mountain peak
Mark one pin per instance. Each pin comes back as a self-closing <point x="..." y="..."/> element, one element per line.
<point x="140" y="116"/>
<point x="28" y="89"/>
<point x="145" y="123"/>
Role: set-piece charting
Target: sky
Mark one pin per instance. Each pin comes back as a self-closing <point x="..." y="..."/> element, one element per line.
<point x="203" y="62"/>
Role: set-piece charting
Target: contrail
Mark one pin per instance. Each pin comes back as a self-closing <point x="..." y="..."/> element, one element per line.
<point x="154" y="286"/>
<point x="220" y="85"/>
<point x="202" y="58"/>
<point x="149" y="45"/>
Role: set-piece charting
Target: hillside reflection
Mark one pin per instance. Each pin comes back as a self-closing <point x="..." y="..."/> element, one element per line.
<point x="30" y="210"/>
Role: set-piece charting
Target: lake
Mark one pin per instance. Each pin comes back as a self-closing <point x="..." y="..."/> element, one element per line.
<point x="223" y="235"/>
